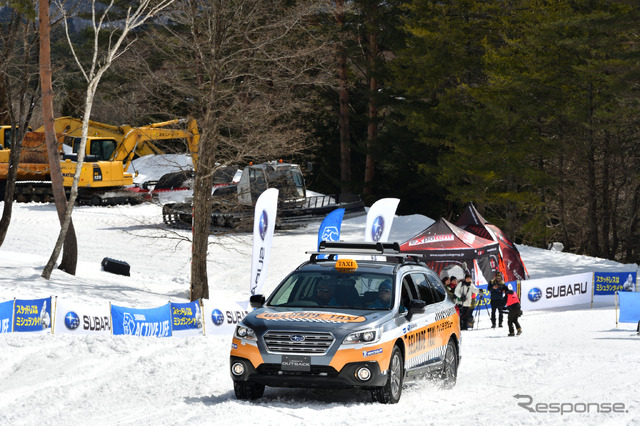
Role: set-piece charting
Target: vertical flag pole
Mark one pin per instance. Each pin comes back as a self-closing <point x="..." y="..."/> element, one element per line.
<point x="616" y="309"/>
<point x="593" y="287"/>
<point x="53" y="315"/>
<point x="202" y="313"/>
<point x="13" y="315"/>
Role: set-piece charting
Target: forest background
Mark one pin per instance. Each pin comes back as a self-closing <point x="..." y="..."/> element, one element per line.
<point x="529" y="109"/>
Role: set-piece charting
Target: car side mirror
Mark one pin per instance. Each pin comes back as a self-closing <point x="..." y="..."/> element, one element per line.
<point x="256" y="301"/>
<point x="416" y="306"/>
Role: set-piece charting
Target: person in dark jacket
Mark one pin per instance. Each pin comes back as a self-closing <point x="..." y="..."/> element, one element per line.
<point x="498" y="299"/>
<point x="453" y="283"/>
<point x="513" y="306"/>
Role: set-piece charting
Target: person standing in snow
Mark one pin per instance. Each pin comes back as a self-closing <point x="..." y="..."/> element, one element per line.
<point x="513" y="306"/>
<point x="496" y="287"/>
<point x="464" y="292"/>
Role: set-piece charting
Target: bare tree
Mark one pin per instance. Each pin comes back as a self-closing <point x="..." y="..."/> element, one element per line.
<point x="246" y="69"/>
<point x="19" y="87"/>
<point x="101" y="60"/>
<point x="70" y="255"/>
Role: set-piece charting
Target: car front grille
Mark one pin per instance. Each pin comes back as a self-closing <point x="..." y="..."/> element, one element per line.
<point x="290" y="342"/>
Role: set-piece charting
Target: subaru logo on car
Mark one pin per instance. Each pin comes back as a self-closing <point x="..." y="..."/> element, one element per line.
<point x="217" y="317"/>
<point x="264" y="223"/>
<point x="71" y="320"/>
<point x="534" y="294"/>
<point x="377" y="229"/>
<point x="296" y="338"/>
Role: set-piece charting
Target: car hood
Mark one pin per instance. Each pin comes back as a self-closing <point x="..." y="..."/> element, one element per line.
<point x="317" y="319"/>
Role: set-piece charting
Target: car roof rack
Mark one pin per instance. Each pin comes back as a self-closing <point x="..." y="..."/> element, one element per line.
<point x="333" y="248"/>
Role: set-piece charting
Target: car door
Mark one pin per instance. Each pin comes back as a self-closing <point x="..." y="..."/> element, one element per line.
<point x="420" y="343"/>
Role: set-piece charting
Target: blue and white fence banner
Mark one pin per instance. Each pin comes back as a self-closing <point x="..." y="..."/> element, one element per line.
<point x="555" y="292"/>
<point x="186" y="319"/>
<point x="221" y="316"/>
<point x="606" y="283"/>
<point x="6" y="316"/>
<point x="32" y="315"/>
<point x="154" y="322"/>
<point x="78" y="318"/>
<point x="629" y="307"/>
<point x="486" y="299"/>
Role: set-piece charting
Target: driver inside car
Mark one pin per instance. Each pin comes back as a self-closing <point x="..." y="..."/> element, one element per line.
<point x="324" y="294"/>
<point x="384" y="296"/>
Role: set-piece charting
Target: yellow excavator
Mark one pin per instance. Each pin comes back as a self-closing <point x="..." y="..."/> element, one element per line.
<point x="104" y="173"/>
<point x="109" y="153"/>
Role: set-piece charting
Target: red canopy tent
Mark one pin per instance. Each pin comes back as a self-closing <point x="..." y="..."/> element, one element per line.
<point x="444" y="246"/>
<point x="512" y="266"/>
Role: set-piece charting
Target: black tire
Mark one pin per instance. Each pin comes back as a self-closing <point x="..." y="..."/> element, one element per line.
<point x="96" y="200"/>
<point x="449" y="374"/>
<point x="248" y="390"/>
<point x="391" y="392"/>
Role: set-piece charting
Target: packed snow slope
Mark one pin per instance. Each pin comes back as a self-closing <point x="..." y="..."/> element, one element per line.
<point x="574" y="358"/>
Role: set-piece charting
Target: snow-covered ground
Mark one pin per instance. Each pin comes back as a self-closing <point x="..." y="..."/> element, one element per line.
<point x="574" y="358"/>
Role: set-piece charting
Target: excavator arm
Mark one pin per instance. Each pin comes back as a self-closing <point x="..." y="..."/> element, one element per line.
<point x="140" y="139"/>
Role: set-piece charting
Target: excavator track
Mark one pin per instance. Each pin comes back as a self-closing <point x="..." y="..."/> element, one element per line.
<point x="314" y="209"/>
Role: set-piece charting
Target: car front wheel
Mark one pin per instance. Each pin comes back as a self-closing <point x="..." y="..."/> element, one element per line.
<point x="246" y="390"/>
<point x="449" y="373"/>
<point x="390" y="393"/>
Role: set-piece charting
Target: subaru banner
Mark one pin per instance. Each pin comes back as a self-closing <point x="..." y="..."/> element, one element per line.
<point x="6" y="316"/>
<point x="78" y="318"/>
<point x="33" y="315"/>
<point x="186" y="319"/>
<point x="264" y="223"/>
<point x="379" y="220"/>
<point x="554" y="292"/>
<point x="155" y="322"/>
<point x="221" y="316"/>
<point x="606" y="283"/>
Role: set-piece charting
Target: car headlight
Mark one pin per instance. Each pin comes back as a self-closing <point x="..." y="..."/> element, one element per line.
<point x="367" y="336"/>
<point x="245" y="333"/>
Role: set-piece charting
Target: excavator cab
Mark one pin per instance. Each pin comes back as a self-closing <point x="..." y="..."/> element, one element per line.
<point x="5" y="143"/>
<point x="100" y="148"/>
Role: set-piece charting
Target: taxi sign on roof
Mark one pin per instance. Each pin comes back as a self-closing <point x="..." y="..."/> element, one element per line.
<point x="346" y="265"/>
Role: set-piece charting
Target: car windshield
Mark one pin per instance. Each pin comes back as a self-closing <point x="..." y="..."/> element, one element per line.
<point x="335" y="290"/>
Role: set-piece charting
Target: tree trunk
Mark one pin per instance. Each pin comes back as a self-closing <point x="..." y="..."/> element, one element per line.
<point x="607" y="193"/>
<point x="632" y="240"/>
<point x="372" y="127"/>
<point x="343" y="114"/>
<point x="592" y="244"/>
<point x="10" y="183"/>
<point x="70" y="253"/>
<point x="202" y="216"/>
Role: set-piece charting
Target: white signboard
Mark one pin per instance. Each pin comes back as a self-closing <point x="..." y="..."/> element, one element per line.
<point x="221" y="316"/>
<point x="555" y="292"/>
<point x="77" y="318"/>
